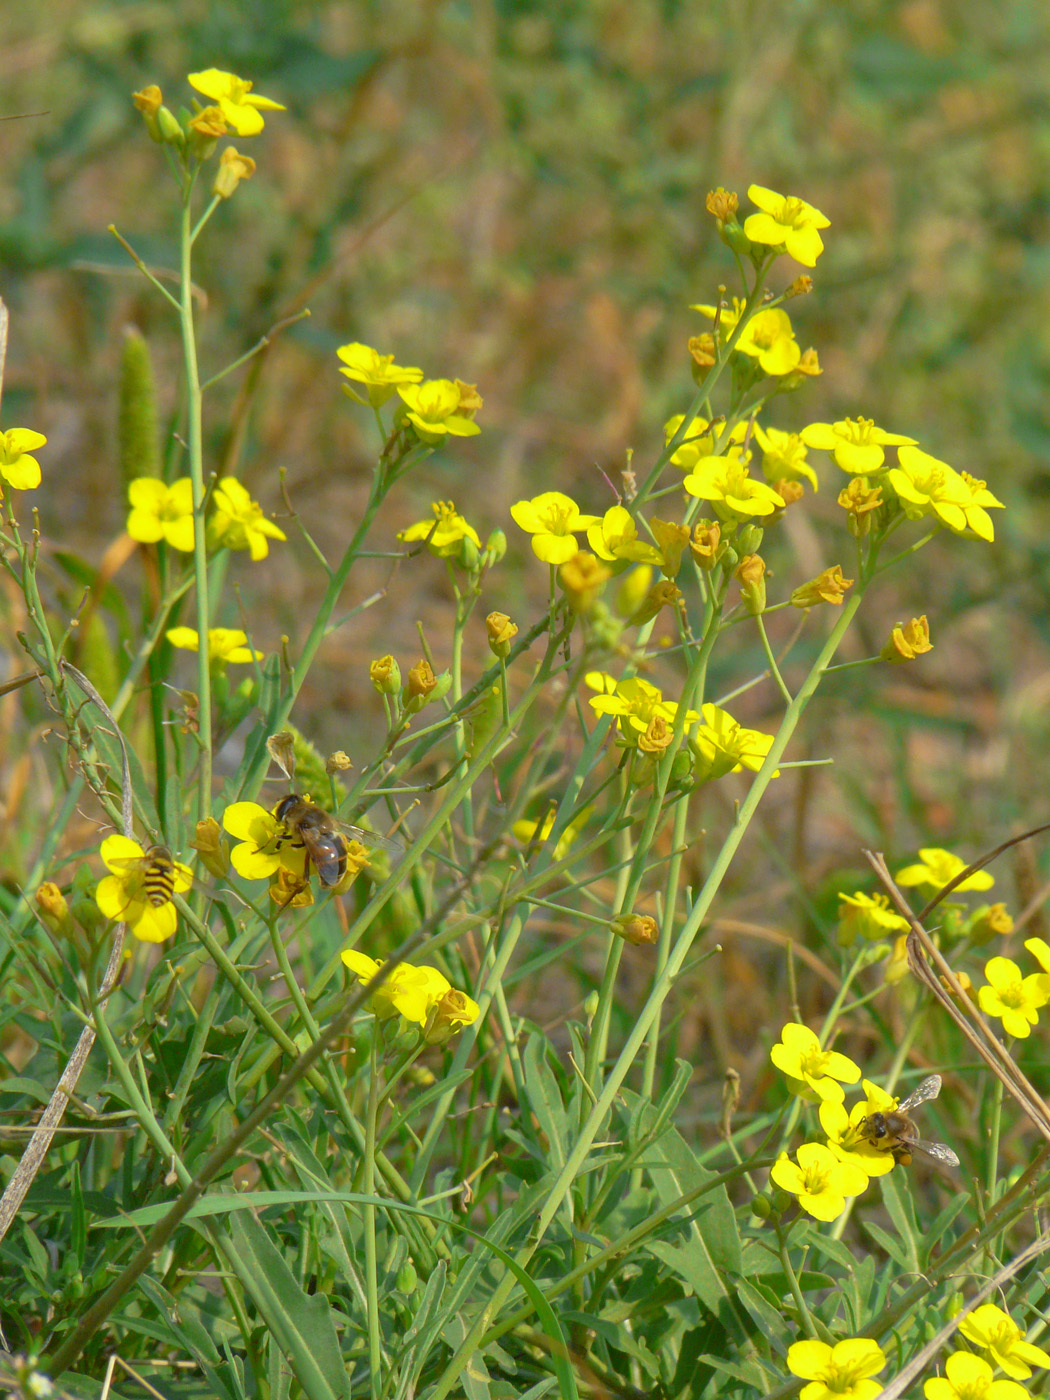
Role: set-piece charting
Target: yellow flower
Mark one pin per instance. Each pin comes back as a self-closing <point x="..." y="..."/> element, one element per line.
<point x="615" y="536"/>
<point x="845" y="1138"/>
<point x="501" y="633"/>
<point x="721" y="745"/>
<point x="433" y="409"/>
<point x="839" y="1372"/>
<point x="239" y="105"/>
<point x="377" y="372"/>
<point x="855" y="443"/>
<point x="127" y="892"/>
<point x="969" y="1377"/>
<point x="786" y="221"/>
<point x="1014" y="999"/>
<point x="828" y="587"/>
<point x="699" y="439"/>
<point x="264" y="848"/>
<point x="634" y="702"/>
<point x="550" y="519"/>
<point x="18" y="468"/>
<point x="811" y="1071"/>
<point x="783" y="456"/>
<point x="926" y="486"/>
<point x="444" y="533"/>
<point x="671" y="539"/>
<point x="937" y="867"/>
<point x="860" y="498"/>
<point x="907" y="641"/>
<point x="731" y="489"/>
<point x="868" y="916"/>
<point x="160" y="512"/>
<point x="225" y="644"/>
<point x="819" y="1180"/>
<point x="238" y="522"/>
<point x="769" y="338"/>
<point x="583" y="577"/>
<point x="411" y="992"/>
<point x="999" y="1337"/>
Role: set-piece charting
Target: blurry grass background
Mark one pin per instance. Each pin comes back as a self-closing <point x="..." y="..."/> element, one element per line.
<point x="513" y="194"/>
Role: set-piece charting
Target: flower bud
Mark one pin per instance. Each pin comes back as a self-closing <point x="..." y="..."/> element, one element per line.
<point x="337" y="762"/>
<point x="582" y="578"/>
<point x="149" y="102"/>
<point x="801" y="287"/>
<point x="748" y="539"/>
<point x="205" y="129"/>
<point x="53" y="910"/>
<point x="212" y="847"/>
<point x="501" y="633"/>
<point x="750" y="573"/>
<point x="421" y="682"/>
<point x="468" y="555"/>
<point x="703" y="354"/>
<point x="988" y="922"/>
<point x="761" y="1206"/>
<point x="908" y="641"/>
<point x="637" y="929"/>
<point x="407" y="1280"/>
<point x="470" y="401"/>
<point x="671" y="539"/>
<point x="385" y="675"/>
<point x="827" y="587"/>
<point x="861" y="499"/>
<point x="633" y="590"/>
<point x="662" y="595"/>
<point x="706" y="544"/>
<point x="171" y="132"/>
<point x="233" y="168"/>
<point x="495" y="547"/>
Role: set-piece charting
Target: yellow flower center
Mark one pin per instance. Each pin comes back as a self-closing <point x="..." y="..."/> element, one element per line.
<point x="556" y="519"/>
<point x="858" y="430"/>
<point x="793" y="212"/>
<point x="812" y="1061"/>
<point x="816" y="1177"/>
<point x="1012" y="994"/>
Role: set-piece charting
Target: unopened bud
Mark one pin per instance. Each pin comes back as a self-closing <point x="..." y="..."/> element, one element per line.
<point x="233" y="168"/>
<point x="750" y="573"/>
<point x="212" y="847"/>
<point x="337" y="762"/>
<point x="638" y="929"/>
<point x="582" y="578"/>
<point x="662" y="595"/>
<point x="703" y="354"/>
<point x="501" y="633"/>
<point x="385" y="675"/>
<point x="671" y="539"/>
<point x="706" y="544"/>
<point x="205" y="129"/>
<point x="54" y="911"/>
<point x="495" y="546"/>
<point x="988" y="922"/>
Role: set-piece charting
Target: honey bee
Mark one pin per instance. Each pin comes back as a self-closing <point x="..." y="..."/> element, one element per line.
<point x="893" y="1131"/>
<point x="321" y="836"/>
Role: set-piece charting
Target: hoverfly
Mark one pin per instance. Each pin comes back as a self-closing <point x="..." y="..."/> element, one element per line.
<point x="321" y="836"/>
<point x="893" y="1131"/>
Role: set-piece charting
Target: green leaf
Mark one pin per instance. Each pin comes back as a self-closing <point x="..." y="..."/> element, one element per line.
<point x="302" y="1326"/>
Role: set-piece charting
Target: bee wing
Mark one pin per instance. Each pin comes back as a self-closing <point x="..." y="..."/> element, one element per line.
<point x="928" y="1089"/>
<point x="938" y="1151"/>
<point x="372" y="838"/>
<point x="129" y="862"/>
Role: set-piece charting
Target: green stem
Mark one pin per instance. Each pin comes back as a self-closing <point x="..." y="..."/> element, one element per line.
<point x="662" y="985"/>
<point x="368" y="1182"/>
<point x="195" y="458"/>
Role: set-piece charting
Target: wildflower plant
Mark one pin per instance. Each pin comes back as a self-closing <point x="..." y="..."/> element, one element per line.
<point x="344" y="1153"/>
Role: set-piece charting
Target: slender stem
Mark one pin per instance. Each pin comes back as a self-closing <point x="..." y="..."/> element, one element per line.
<point x="368" y="1182"/>
<point x="194" y="447"/>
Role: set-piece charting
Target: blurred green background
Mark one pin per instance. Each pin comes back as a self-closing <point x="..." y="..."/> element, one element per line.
<point x="514" y="194"/>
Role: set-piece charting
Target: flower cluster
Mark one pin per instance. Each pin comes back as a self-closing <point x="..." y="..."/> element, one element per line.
<point x="160" y="511"/>
<point x="422" y="996"/>
<point x="433" y="408"/>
